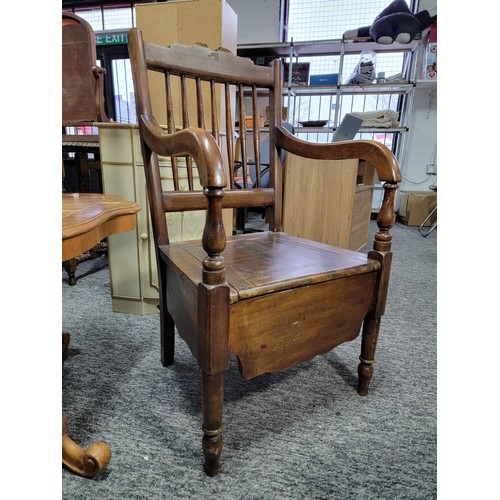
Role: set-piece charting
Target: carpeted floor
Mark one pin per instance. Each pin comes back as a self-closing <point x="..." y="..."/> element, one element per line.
<point x="301" y="434"/>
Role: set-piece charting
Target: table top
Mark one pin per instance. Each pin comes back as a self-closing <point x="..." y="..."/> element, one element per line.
<point x="88" y="218"/>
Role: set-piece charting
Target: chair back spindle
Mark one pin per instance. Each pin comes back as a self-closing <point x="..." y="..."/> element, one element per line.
<point x="198" y="96"/>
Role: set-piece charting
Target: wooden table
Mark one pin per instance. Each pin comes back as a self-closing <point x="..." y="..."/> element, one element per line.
<point x="87" y="219"/>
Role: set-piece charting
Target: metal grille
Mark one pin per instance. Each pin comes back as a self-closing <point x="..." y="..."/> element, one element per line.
<point x="310" y="20"/>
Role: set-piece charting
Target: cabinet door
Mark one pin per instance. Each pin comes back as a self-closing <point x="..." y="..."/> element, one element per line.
<point x="118" y="175"/>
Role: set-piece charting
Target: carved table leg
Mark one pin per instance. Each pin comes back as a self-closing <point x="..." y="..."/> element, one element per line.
<point x="70" y="266"/>
<point x="85" y="463"/>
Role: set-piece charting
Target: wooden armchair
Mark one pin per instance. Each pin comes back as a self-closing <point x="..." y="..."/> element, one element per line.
<point x="271" y="299"/>
<point x="82" y="79"/>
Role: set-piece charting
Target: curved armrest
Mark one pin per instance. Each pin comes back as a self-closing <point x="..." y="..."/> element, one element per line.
<point x="194" y="142"/>
<point x="373" y="152"/>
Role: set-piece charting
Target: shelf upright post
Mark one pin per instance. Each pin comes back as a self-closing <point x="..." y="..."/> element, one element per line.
<point x="339" y="83"/>
<point x="412" y="69"/>
<point x="289" y="89"/>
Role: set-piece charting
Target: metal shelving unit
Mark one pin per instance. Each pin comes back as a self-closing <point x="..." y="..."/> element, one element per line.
<point x="263" y="53"/>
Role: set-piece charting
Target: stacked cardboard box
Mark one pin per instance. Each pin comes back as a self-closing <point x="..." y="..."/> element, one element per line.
<point x="415" y="206"/>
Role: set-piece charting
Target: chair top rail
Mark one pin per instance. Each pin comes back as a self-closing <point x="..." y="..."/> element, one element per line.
<point x="201" y="62"/>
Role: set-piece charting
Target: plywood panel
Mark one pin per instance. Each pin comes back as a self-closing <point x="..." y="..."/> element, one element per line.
<point x="319" y="199"/>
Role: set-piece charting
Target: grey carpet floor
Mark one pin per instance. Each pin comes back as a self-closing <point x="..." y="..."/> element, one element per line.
<point x="301" y="434"/>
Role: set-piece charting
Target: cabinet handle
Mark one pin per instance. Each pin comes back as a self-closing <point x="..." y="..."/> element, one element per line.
<point x="144" y="236"/>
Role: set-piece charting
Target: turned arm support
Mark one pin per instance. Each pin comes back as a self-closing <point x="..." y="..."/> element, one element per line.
<point x="200" y="145"/>
<point x="373" y="152"/>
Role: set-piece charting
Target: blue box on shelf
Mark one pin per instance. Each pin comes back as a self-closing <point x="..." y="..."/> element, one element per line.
<point x="326" y="79"/>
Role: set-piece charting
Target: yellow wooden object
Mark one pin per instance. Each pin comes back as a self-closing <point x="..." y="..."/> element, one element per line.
<point x="342" y="191"/>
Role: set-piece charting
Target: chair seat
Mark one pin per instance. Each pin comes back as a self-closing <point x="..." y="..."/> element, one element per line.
<point x="269" y="276"/>
<point x="261" y="263"/>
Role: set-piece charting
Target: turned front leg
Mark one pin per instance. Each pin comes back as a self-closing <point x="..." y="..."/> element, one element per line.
<point x="381" y="252"/>
<point x="213" y="330"/>
<point x="213" y="402"/>
<point x="371" y="327"/>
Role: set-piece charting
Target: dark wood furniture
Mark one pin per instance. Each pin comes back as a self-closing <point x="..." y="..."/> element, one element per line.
<point x="82" y="79"/>
<point x="82" y="146"/>
<point x="86" y="220"/>
<point x="82" y="92"/>
<point x="270" y="298"/>
<point x="82" y="105"/>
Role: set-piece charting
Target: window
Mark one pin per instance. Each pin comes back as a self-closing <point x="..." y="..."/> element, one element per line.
<point x="109" y="17"/>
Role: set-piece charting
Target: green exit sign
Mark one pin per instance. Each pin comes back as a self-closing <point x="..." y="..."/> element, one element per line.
<point x="111" y="39"/>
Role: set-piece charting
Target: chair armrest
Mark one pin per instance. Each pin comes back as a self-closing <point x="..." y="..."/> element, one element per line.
<point x="200" y="145"/>
<point x="373" y="152"/>
<point x="194" y="142"/>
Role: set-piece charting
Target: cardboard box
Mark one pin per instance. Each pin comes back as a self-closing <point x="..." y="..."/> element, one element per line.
<point x="415" y="206"/>
<point x="326" y="79"/>
<point x="249" y="121"/>
<point x="210" y="22"/>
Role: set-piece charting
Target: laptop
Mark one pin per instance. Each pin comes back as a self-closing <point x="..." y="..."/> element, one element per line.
<point x="348" y="128"/>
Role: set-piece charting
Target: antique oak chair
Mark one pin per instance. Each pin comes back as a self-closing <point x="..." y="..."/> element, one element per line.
<point x="271" y="299"/>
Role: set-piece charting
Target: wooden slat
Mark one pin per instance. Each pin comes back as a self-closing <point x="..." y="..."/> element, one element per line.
<point x="199" y="104"/>
<point x="185" y="124"/>
<point x="171" y="127"/>
<point x="229" y="132"/>
<point x="256" y="136"/>
<point x="80" y="139"/>
<point x="236" y="198"/>
<point x="243" y="136"/>
<point x="214" y="114"/>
